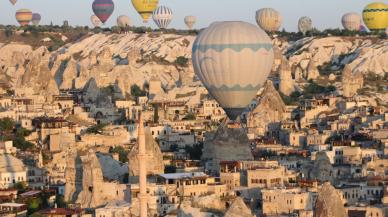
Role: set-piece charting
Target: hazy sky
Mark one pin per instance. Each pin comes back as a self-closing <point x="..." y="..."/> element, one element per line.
<point x="324" y="13"/>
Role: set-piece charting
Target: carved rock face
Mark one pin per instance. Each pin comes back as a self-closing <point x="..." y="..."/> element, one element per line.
<point x="329" y="203"/>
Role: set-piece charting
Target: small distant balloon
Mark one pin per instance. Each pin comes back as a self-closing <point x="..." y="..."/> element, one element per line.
<point x="269" y="19"/>
<point x="23" y="16"/>
<point x="351" y="21"/>
<point x="13" y="2"/>
<point x="190" y="21"/>
<point x="95" y="21"/>
<point x="305" y="24"/>
<point x="103" y="9"/>
<point x="123" y="21"/>
<point x="145" y="8"/>
<point x="162" y="16"/>
<point x="36" y="19"/>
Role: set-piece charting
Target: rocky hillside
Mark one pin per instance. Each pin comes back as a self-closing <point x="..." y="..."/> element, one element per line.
<point x="122" y="60"/>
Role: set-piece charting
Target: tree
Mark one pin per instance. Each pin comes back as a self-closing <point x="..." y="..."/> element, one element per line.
<point x="136" y="91"/>
<point x="123" y="154"/>
<point x="195" y="151"/>
<point x="182" y="61"/>
<point x="6" y="124"/>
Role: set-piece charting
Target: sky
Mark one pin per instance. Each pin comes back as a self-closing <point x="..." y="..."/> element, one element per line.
<point x="324" y="13"/>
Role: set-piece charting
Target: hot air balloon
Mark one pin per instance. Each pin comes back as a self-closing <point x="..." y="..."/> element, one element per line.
<point x="190" y="21"/>
<point x="95" y="21"/>
<point x="233" y="60"/>
<point x="351" y="21"/>
<point x="268" y="19"/>
<point x="123" y="21"/>
<point x="305" y="24"/>
<point x="145" y="8"/>
<point x="24" y="16"/>
<point x="13" y="2"/>
<point x="162" y="16"/>
<point x="375" y="16"/>
<point x="103" y="9"/>
<point x="36" y="19"/>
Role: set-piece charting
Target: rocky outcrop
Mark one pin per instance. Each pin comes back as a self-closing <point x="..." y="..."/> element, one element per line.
<point x="312" y="71"/>
<point x="268" y="112"/>
<point x="155" y="163"/>
<point x="286" y="85"/>
<point x="226" y="144"/>
<point x="351" y="82"/>
<point x="329" y="203"/>
<point x="238" y="209"/>
<point x="210" y="202"/>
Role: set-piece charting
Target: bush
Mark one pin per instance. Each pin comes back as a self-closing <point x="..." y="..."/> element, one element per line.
<point x="182" y="61"/>
<point x="6" y="124"/>
<point x="96" y="129"/>
<point x="195" y="151"/>
<point x="123" y="154"/>
<point x="136" y="91"/>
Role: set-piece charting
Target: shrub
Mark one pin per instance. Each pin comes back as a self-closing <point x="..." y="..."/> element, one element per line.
<point x="182" y="61"/>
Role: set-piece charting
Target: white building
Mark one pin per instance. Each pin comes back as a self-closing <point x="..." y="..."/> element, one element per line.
<point x="12" y="171"/>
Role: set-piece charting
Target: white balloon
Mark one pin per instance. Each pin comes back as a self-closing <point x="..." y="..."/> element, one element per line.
<point x="269" y="19"/>
<point x="95" y="21"/>
<point x="190" y="21"/>
<point x="233" y="60"/>
<point x="351" y="21"/>
<point x="305" y="24"/>
<point x="13" y="2"/>
<point x="123" y="21"/>
<point x="162" y="16"/>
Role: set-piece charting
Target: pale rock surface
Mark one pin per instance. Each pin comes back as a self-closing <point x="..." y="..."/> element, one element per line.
<point x="238" y="209"/>
<point x="210" y="202"/>
<point x="351" y="82"/>
<point x="269" y="111"/>
<point x="154" y="160"/>
<point x="312" y="71"/>
<point x="286" y="85"/>
<point x="329" y="203"/>
<point x="186" y="210"/>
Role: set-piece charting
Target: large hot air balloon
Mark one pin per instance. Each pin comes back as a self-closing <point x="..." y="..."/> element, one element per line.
<point x="190" y="21"/>
<point x="233" y="60"/>
<point x="375" y="16"/>
<point x="305" y="24"/>
<point x="162" y="16"/>
<point x="13" y="2"/>
<point x="95" y="21"/>
<point x="36" y="19"/>
<point x="123" y="21"/>
<point x="103" y="9"/>
<point x="145" y="8"/>
<point x="269" y="19"/>
<point x="351" y="21"/>
<point x="24" y="16"/>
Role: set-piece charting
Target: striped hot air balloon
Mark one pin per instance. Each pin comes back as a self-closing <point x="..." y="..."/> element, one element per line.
<point x="162" y="16"/>
<point x="351" y="21"/>
<point x="36" y="19"/>
<point x="190" y="21"/>
<point x="13" y="2"/>
<point x="145" y="8"/>
<point x="269" y="19"/>
<point x="233" y="60"/>
<point x="103" y="9"/>
<point x="375" y="16"/>
<point x="23" y="16"/>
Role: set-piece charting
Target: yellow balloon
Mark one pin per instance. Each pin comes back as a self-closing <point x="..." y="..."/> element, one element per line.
<point x="375" y="16"/>
<point x="145" y="7"/>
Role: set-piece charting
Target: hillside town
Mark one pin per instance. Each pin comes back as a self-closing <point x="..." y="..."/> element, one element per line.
<point x="75" y="123"/>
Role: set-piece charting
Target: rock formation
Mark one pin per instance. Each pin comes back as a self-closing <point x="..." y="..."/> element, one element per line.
<point x="226" y="144"/>
<point x="286" y="85"/>
<point x="329" y="203"/>
<point x="268" y="112"/>
<point x="155" y="163"/>
<point x="351" y="83"/>
<point x="238" y="209"/>
<point x="312" y="71"/>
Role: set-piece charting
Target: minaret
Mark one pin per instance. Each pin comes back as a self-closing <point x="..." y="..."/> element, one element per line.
<point x="142" y="169"/>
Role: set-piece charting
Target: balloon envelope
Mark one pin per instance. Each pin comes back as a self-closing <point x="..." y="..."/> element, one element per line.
<point x="305" y="24"/>
<point x="268" y="19"/>
<point x="13" y="1"/>
<point x="95" y="21"/>
<point x="123" y="21"/>
<point x="145" y="7"/>
<point x="23" y="16"/>
<point x="351" y="21"/>
<point x="36" y="19"/>
<point x="190" y="21"/>
<point x="233" y="60"/>
<point x="103" y="9"/>
<point x="375" y="16"/>
<point x="162" y="16"/>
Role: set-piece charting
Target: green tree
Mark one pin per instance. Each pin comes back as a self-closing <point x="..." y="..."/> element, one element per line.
<point x="136" y="91"/>
<point x="182" y="61"/>
<point x="6" y="124"/>
<point x="123" y="154"/>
